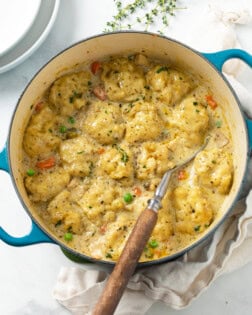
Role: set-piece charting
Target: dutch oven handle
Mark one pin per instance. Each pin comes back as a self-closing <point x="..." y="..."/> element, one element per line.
<point x="219" y="58"/>
<point x="36" y="235"/>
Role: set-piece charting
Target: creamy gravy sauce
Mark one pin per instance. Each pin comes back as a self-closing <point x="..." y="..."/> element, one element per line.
<point x="99" y="141"/>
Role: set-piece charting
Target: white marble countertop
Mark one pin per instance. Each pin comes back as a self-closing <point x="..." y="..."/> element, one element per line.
<point x="28" y="274"/>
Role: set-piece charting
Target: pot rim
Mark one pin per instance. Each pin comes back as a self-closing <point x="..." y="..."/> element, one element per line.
<point x="166" y="258"/>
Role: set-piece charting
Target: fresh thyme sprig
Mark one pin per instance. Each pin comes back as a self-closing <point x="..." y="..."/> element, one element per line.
<point x="127" y="15"/>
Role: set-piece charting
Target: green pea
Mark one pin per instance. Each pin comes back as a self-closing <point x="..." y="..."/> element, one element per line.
<point x="68" y="236"/>
<point x="128" y="197"/>
<point x="62" y="129"/>
<point x="153" y="244"/>
<point x="71" y="120"/>
<point x="30" y="172"/>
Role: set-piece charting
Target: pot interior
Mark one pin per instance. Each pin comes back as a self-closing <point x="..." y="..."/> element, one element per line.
<point x="125" y="43"/>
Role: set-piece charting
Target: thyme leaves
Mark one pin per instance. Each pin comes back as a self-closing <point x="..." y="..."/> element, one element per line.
<point x="142" y="13"/>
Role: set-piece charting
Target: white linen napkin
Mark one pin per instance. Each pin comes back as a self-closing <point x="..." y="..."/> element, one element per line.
<point x="178" y="282"/>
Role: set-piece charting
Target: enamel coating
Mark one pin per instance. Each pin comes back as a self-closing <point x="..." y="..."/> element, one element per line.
<point x="219" y="58"/>
<point x="249" y="126"/>
<point x="4" y="164"/>
<point x="35" y="236"/>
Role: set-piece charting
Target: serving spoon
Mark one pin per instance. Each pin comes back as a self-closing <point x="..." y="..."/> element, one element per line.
<point x="134" y="246"/>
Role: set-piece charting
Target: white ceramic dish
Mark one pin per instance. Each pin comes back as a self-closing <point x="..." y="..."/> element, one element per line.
<point x="16" y="17"/>
<point x="22" y="47"/>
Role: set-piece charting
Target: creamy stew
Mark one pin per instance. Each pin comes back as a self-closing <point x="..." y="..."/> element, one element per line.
<point x="99" y="141"/>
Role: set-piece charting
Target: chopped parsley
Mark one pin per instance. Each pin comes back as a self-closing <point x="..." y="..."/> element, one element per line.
<point x="124" y="155"/>
<point x="58" y="223"/>
<point x="91" y="167"/>
<point x="74" y="96"/>
<point x="218" y="123"/>
<point x="197" y="228"/>
<point x="162" y="69"/>
<point x="148" y="255"/>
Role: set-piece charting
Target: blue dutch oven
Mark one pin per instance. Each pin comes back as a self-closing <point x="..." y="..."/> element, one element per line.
<point x="207" y="65"/>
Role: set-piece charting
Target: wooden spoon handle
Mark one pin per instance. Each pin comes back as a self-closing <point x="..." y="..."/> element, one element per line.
<point x="126" y="264"/>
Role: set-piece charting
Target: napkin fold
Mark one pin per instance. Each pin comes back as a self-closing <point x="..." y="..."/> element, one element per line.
<point x="178" y="283"/>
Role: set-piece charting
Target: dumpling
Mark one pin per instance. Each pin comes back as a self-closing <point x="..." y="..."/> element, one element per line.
<point x="78" y="155"/>
<point x="143" y="122"/>
<point x="104" y="122"/>
<point x="190" y="116"/>
<point x="117" y="162"/>
<point x="123" y="80"/>
<point x="168" y="85"/>
<point x="153" y="160"/>
<point x="101" y="197"/>
<point x="38" y="138"/>
<point x="65" y="213"/>
<point x="214" y="169"/>
<point x="68" y="92"/>
<point x="46" y="185"/>
<point x="193" y="211"/>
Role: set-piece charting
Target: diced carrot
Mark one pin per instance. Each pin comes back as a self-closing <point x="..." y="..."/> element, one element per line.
<point x="182" y="174"/>
<point x="137" y="191"/>
<point x="101" y="151"/>
<point x="100" y="93"/>
<point x="103" y="228"/>
<point x="95" y="67"/>
<point x="158" y="253"/>
<point x="211" y="102"/>
<point x="39" y="106"/>
<point x="48" y="163"/>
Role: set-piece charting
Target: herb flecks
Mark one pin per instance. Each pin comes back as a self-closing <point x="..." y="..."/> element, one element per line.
<point x="91" y="168"/>
<point x="71" y="120"/>
<point x="108" y="255"/>
<point x="218" y="123"/>
<point x="161" y="69"/>
<point x="151" y="11"/>
<point x="124" y="155"/>
<point x="197" y="228"/>
<point x="74" y="96"/>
